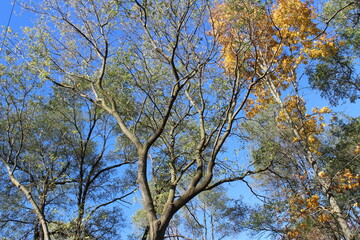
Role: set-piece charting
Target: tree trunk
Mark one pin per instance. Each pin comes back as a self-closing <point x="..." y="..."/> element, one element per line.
<point x="340" y="218"/>
<point x="155" y="232"/>
<point x="39" y="214"/>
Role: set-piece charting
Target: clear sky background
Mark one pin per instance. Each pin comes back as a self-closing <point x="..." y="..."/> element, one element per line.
<point x="19" y="19"/>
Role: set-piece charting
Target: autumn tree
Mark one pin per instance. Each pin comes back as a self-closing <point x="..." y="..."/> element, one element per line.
<point x="294" y="206"/>
<point x="277" y="41"/>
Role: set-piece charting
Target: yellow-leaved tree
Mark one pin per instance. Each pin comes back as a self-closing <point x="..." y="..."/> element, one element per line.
<point x="275" y="43"/>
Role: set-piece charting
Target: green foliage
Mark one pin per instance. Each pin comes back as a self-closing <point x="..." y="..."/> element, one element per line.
<point x="340" y="145"/>
<point x="54" y="143"/>
<point x="212" y="215"/>
<point x="337" y="77"/>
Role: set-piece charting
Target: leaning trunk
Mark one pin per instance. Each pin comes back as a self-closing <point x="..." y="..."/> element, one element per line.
<point x="39" y="214"/>
<point x="340" y="218"/>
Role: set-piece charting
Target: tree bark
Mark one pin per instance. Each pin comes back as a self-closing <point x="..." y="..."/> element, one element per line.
<point x="39" y="214"/>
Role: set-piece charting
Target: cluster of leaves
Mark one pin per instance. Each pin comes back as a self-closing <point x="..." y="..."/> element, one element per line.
<point x="307" y="126"/>
<point x="271" y="42"/>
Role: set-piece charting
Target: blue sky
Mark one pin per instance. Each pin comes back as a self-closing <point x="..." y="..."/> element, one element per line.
<point x="235" y="189"/>
<point x="18" y="19"/>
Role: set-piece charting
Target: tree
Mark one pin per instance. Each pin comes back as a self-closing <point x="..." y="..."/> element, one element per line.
<point x="277" y="44"/>
<point x="152" y="67"/>
<point x="49" y="153"/>
<point x="294" y="206"/>
<point x="17" y="155"/>
<point x="93" y="170"/>
<point x="213" y="215"/>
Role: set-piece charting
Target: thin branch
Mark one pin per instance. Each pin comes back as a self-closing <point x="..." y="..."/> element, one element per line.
<point x="110" y="202"/>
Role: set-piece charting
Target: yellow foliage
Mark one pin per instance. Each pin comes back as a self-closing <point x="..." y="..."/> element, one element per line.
<point x="346" y="180"/>
<point x="294" y="18"/>
<point x="301" y="210"/>
<point x="293" y="234"/>
<point x="322" y="174"/>
<point x="322" y="110"/>
<point x="313" y="201"/>
<point x="324" y="217"/>
<point x="357" y="149"/>
<point x="308" y="126"/>
<point x="312" y="139"/>
<point x="255" y="41"/>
